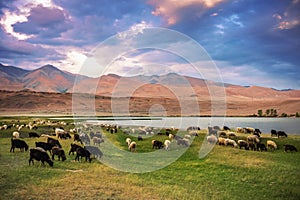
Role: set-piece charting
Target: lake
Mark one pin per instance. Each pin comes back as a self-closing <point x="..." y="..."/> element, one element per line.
<point x="289" y="125"/>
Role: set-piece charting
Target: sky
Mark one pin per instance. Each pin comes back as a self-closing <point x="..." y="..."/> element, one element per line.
<point x="251" y="42"/>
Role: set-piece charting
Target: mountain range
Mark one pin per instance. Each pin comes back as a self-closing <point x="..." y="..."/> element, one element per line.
<point x="240" y="100"/>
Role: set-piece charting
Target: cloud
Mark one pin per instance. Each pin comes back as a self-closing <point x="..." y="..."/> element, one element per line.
<point x="290" y="18"/>
<point x="175" y="11"/>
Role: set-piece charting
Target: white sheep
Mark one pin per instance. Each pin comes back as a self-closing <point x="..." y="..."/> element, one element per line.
<point x="132" y="146"/>
<point x="128" y="141"/>
<point x="167" y="144"/>
<point x="171" y="136"/>
<point x="253" y="138"/>
<point x="58" y="130"/>
<point x="271" y="144"/>
<point x="231" y="142"/>
<point x="16" y="134"/>
<point x="187" y="136"/>
<point x="212" y="139"/>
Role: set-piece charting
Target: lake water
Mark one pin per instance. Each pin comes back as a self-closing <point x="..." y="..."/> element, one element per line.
<point x="289" y="125"/>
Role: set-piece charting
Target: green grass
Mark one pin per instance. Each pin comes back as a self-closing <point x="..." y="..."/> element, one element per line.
<point x="226" y="173"/>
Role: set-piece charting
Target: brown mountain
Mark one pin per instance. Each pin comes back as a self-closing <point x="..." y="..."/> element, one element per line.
<point x="49" y="89"/>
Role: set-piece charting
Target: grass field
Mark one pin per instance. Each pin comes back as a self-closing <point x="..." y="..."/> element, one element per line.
<point x="226" y="173"/>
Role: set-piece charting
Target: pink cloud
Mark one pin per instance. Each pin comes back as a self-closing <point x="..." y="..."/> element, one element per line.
<point x="173" y="11"/>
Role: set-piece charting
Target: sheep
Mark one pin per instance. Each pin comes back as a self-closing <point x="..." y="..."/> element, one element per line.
<point x="77" y="138"/>
<point x="73" y="148"/>
<point x="132" y="146"/>
<point x="97" y="141"/>
<point x="45" y="146"/>
<point x="64" y="135"/>
<point x="253" y="138"/>
<point x="94" y="151"/>
<point x="33" y="135"/>
<point x="243" y="143"/>
<point x="40" y="154"/>
<point x="128" y="141"/>
<point x="289" y="147"/>
<point x="281" y="133"/>
<point x="226" y="128"/>
<point x="252" y="146"/>
<point x="82" y="152"/>
<point x="212" y="131"/>
<point x="171" y="136"/>
<point x="167" y="144"/>
<point x="59" y="152"/>
<point x="16" y="134"/>
<point x="140" y="138"/>
<point x="232" y="135"/>
<point x="58" y="130"/>
<point x="212" y="139"/>
<point x="273" y="132"/>
<point x="17" y="143"/>
<point x="187" y="136"/>
<point x="157" y="144"/>
<point x="221" y="141"/>
<point x="239" y="129"/>
<point x="231" y="142"/>
<point x="222" y="134"/>
<point x="185" y="142"/>
<point x="53" y="141"/>
<point x="271" y="144"/>
<point x="261" y="147"/>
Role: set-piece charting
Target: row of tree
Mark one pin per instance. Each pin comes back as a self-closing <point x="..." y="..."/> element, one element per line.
<point x="273" y="113"/>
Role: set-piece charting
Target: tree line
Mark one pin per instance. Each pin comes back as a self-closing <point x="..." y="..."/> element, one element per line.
<point x="273" y="113"/>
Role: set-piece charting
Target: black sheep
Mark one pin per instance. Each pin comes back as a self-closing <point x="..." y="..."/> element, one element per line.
<point x="261" y="147"/>
<point x="281" y="133"/>
<point x="273" y="132"/>
<point x="94" y="151"/>
<point x="53" y="141"/>
<point x="289" y="147"/>
<point x="40" y="154"/>
<point x="73" y="149"/>
<point x="17" y="143"/>
<point x="157" y="144"/>
<point x="82" y="152"/>
<point x="59" y="152"/>
<point x="44" y="145"/>
<point x="33" y="135"/>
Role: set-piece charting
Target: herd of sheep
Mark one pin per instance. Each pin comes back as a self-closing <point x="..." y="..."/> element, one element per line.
<point x="85" y="135"/>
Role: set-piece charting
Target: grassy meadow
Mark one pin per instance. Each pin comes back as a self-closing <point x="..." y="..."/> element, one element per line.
<point x="225" y="173"/>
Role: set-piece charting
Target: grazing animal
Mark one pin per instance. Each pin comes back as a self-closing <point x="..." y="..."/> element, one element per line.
<point x="253" y="138"/>
<point x="97" y="141"/>
<point x="64" y="135"/>
<point x="231" y="143"/>
<point x="17" y="143"/>
<point x="140" y="138"/>
<point x="53" y="141"/>
<point x="281" y="134"/>
<point x="222" y="134"/>
<point x="243" y="144"/>
<point x="77" y="138"/>
<point x="212" y="139"/>
<point x="94" y="151"/>
<point x="221" y="141"/>
<point x="261" y="147"/>
<point x="252" y="146"/>
<point x="157" y="144"/>
<point x="271" y="144"/>
<point x="82" y="152"/>
<point x="16" y="134"/>
<point x="257" y="131"/>
<point x="33" y="135"/>
<point x="132" y="146"/>
<point x="232" y="135"/>
<point x="213" y="131"/>
<point x="226" y="128"/>
<point x="73" y="148"/>
<point x="59" y="152"/>
<point x="40" y="154"/>
<point x="187" y="136"/>
<point x="273" y="132"/>
<point x="44" y="145"/>
<point x="128" y="141"/>
<point x="183" y="142"/>
<point x="289" y="147"/>
<point x="167" y="144"/>
<point x="171" y="136"/>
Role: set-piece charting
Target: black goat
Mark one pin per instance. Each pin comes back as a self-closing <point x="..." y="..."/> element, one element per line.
<point x="17" y="143"/>
<point x="82" y="152"/>
<point x="53" y="141"/>
<point x="44" y="145"/>
<point x="59" y="152"/>
<point x="40" y="154"/>
<point x="33" y="135"/>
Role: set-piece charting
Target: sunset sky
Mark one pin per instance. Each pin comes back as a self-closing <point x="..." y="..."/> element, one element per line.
<point x="252" y="42"/>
